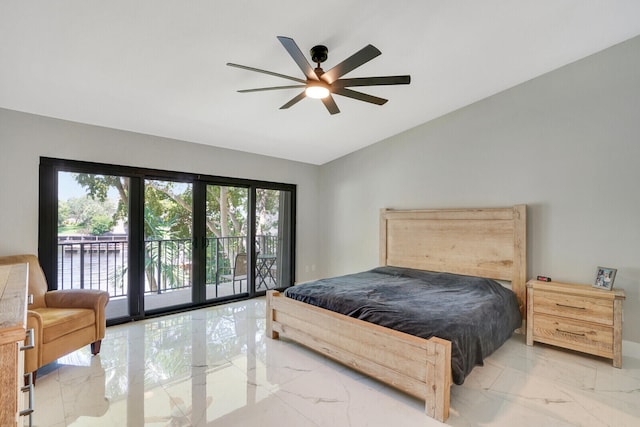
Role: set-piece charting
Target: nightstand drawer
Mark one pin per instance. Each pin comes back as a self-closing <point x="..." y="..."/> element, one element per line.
<point x="577" y="317"/>
<point x="576" y="335"/>
<point x="577" y="307"/>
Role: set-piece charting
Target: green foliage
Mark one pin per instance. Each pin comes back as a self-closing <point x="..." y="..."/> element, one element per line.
<point x="64" y="213"/>
<point x="100" y="224"/>
<point x="170" y="204"/>
<point x="158" y="227"/>
<point x="168" y="213"/>
<point x="98" y="186"/>
<point x="226" y="210"/>
<point x="80" y="211"/>
<point x="167" y="210"/>
<point x="70" y="229"/>
<point x="267" y="209"/>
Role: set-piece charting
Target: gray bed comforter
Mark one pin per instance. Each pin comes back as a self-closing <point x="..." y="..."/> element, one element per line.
<point x="477" y="315"/>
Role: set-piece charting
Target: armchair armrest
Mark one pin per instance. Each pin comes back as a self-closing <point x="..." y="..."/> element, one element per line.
<point x="77" y="298"/>
<point x="93" y="299"/>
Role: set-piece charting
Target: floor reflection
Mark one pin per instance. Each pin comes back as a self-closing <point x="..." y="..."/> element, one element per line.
<point x="165" y="371"/>
<point x="215" y="367"/>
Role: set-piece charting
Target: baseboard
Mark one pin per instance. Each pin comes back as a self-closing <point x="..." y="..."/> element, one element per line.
<point x="631" y="349"/>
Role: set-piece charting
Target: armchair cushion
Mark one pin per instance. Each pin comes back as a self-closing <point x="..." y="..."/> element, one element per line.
<point x="62" y="321"/>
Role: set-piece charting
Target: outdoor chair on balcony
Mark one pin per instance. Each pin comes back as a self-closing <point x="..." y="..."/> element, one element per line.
<point x="63" y="320"/>
<point x="239" y="271"/>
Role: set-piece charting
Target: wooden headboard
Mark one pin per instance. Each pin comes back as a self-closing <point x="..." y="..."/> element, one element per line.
<point x="488" y="243"/>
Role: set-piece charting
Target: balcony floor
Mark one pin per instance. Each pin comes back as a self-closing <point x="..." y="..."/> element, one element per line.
<point x="118" y="306"/>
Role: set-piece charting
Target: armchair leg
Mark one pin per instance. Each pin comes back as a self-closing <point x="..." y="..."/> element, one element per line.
<point x="95" y="347"/>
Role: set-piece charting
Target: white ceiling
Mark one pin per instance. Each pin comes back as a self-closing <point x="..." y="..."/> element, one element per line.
<point x="158" y="66"/>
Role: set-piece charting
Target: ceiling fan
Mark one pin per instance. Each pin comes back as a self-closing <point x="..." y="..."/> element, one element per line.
<point x="322" y="85"/>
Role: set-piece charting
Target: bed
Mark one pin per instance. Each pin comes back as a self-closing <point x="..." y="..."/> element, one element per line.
<point x="487" y="243"/>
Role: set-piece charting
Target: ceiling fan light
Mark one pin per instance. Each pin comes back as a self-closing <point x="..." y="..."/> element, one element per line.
<point x="317" y="91"/>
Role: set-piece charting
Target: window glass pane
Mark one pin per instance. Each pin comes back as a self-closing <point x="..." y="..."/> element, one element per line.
<point x="137" y="237"/>
<point x="273" y="239"/>
<point x="93" y="237"/>
<point x="226" y="228"/>
<point x="167" y="244"/>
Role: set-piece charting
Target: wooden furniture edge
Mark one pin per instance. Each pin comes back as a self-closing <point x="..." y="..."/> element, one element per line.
<point x="13" y="324"/>
<point x="577" y="288"/>
<point x="529" y="323"/>
<point x="617" y="332"/>
<point x="351" y="348"/>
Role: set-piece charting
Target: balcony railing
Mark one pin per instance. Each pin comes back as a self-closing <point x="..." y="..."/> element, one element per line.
<point x="93" y="264"/>
<point x="101" y="262"/>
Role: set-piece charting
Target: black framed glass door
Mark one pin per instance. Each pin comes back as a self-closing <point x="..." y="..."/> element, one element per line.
<point x="175" y="240"/>
<point x="168" y="250"/>
<point x="273" y="238"/>
<point x="92" y="244"/>
<point x="227" y="241"/>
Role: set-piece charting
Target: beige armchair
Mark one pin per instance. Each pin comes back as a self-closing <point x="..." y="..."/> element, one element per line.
<point x="62" y="321"/>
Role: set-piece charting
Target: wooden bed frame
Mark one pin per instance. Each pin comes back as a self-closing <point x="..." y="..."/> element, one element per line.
<point x="478" y="242"/>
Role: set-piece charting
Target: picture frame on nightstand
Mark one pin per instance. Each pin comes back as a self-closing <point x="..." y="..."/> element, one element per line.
<point x="604" y="278"/>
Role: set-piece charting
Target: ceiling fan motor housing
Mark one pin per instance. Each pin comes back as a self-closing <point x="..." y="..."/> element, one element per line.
<point x="319" y="54"/>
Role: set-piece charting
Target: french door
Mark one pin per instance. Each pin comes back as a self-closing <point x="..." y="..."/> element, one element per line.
<point x="273" y="225"/>
<point x="226" y="241"/>
<point x="162" y="241"/>
<point x="168" y="248"/>
<point x="246" y="243"/>
<point x="92" y="241"/>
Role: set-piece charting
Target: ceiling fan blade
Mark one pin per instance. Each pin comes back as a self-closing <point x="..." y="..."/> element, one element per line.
<point x="298" y="57"/>
<point x="360" y="96"/>
<point x="271" y="73"/>
<point x="294" y="100"/>
<point x="330" y="103"/>
<point x="362" y="56"/>
<point x="372" y="81"/>
<point x="261" y="89"/>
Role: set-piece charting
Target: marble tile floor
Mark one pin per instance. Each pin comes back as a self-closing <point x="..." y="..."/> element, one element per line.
<point x="215" y="367"/>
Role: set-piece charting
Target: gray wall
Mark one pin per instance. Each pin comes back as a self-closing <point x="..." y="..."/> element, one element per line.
<point x="24" y="138"/>
<point x="567" y="144"/>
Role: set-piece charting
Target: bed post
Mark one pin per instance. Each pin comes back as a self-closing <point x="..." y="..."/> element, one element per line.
<point x="438" y="381"/>
<point x="383" y="237"/>
<point x="270" y="314"/>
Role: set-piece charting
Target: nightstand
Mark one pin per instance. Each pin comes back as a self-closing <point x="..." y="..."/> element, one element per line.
<point x="577" y="317"/>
